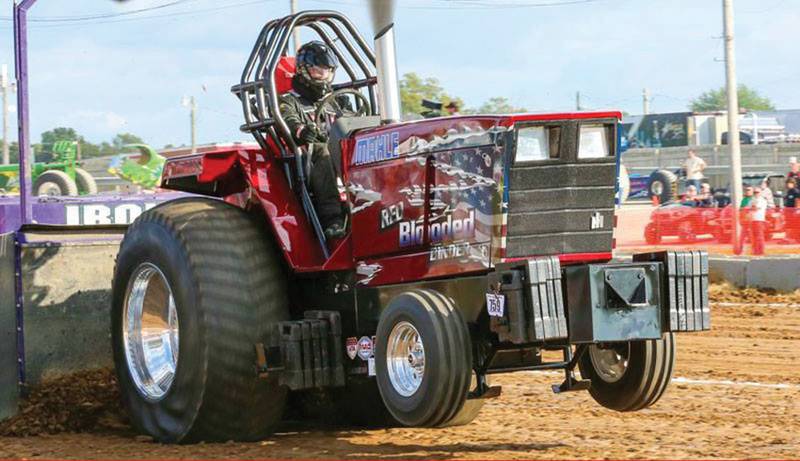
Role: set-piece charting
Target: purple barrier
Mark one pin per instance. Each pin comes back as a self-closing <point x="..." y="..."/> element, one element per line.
<point x="81" y="211"/>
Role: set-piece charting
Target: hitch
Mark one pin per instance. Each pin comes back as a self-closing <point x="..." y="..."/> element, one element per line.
<point x="483" y="390"/>
<point x="570" y="382"/>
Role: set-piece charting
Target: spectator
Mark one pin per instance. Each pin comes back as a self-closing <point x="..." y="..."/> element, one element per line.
<point x="452" y="108"/>
<point x="794" y="169"/>
<point x="690" y="197"/>
<point x="766" y="193"/>
<point x="748" y="196"/>
<point x="694" y="167"/>
<point x="792" y="197"/>
<point x="758" y="222"/>
<point x="792" y="202"/>
<point x="706" y="198"/>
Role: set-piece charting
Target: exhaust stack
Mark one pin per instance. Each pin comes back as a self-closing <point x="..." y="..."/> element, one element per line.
<point x="382" y="12"/>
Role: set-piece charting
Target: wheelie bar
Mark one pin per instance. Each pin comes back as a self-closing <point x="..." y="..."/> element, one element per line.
<point x="304" y="354"/>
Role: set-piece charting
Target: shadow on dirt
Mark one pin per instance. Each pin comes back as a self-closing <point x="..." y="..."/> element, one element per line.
<point x="88" y="403"/>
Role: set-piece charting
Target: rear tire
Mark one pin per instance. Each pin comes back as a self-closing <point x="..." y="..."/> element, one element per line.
<point x="85" y="182"/>
<point x="54" y="183"/>
<point x="433" y="394"/>
<point x="651" y="234"/>
<point x="637" y="384"/>
<point x="228" y="285"/>
<point x="664" y="185"/>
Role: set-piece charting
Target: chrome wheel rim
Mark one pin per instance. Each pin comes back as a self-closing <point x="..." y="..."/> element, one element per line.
<point x="150" y="332"/>
<point x="610" y="363"/>
<point x="657" y="188"/>
<point x="405" y="359"/>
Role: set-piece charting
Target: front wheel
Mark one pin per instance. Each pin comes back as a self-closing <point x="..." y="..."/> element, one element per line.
<point x="651" y="234"/>
<point x="629" y="376"/>
<point x="423" y="360"/>
<point x="196" y="285"/>
<point x="54" y="183"/>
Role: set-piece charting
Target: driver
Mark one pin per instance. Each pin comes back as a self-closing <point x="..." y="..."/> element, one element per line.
<point x="316" y="66"/>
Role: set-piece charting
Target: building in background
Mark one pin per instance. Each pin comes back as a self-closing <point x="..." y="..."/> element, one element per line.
<point x="709" y="128"/>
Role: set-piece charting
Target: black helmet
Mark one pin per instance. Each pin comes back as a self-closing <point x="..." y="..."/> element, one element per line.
<point x="316" y="66"/>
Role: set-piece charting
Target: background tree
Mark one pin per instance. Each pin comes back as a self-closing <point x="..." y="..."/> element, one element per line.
<point x="43" y="150"/>
<point x="413" y="89"/>
<point x="714" y="100"/>
<point x="498" y="105"/>
<point x="123" y="139"/>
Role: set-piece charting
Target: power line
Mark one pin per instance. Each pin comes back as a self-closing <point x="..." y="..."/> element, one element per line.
<point x="482" y="4"/>
<point x="473" y="4"/>
<point x="102" y="15"/>
<point x="196" y="11"/>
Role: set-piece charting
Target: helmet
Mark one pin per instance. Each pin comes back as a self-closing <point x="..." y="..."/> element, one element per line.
<point x="316" y="66"/>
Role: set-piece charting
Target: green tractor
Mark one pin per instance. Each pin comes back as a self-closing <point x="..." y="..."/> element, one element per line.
<point x="62" y="176"/>
<point x="143" y="168"/>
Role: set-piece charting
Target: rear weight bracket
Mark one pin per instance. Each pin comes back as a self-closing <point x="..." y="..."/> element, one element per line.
<point x="303" y="354"/>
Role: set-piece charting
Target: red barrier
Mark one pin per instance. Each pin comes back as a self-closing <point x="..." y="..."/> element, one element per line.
<point x="644" y="226"/>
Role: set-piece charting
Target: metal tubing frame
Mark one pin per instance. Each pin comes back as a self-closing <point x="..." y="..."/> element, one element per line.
<point x="21" y="74"/>
<point x="260" y="100"/>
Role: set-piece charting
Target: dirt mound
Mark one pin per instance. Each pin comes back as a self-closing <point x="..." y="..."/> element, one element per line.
<point x="80" y="402"/>
<point x="727" y="293"/>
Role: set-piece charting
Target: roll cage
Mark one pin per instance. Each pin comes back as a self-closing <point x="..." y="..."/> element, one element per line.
<point x="260" y="98"/>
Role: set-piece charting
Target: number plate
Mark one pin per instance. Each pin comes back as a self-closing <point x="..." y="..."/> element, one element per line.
<point x="495" y="304"/>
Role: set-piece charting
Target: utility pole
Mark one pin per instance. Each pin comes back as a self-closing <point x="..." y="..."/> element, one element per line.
<point x="645" y="101"/>
<point x="296" y="31"/>
<point x="5" y="87"/>
<point x="578" y="101"/>
<point x="189" y="101"/>
<point x="733" y="121"/>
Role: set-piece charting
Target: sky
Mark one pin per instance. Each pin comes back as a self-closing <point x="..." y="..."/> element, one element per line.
<point x="130" y="73"/>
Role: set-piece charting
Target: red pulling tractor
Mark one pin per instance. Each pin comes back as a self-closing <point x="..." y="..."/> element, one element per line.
<point x="473" y="244"/>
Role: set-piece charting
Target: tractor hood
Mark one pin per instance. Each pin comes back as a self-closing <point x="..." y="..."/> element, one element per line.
<point x="460" y="194"/>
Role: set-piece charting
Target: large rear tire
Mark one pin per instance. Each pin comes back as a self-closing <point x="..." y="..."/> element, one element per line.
<point x="629" y="376"/>
<point x="423" y="360"/>
<point x="54" y="183"/>
<point x="664" y="185"/>
<point x="216" y="283"/>
<point x="85" y="182"/>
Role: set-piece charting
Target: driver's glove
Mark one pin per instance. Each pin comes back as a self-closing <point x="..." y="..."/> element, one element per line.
<point x="310" y="134"/>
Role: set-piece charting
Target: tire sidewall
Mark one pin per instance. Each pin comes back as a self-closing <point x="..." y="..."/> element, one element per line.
<point x="424" y="402"/>
<point x="170" y="418"/>
<point x="617" y="394"/>
<point x="57" y="177"/>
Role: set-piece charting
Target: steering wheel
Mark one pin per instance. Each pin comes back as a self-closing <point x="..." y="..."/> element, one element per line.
<point x="331" y="104"/>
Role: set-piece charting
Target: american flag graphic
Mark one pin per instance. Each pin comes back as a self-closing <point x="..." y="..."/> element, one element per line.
<point x="469" y="179"/>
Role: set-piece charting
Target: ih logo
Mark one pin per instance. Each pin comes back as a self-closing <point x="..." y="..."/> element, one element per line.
<point x="597" y="221"/>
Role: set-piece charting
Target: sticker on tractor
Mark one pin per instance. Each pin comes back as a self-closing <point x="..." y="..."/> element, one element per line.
<point x="351" y="344"/>
<point x="371" y="366"/>
<point x="495" y="304"/>
<point x="371" y="149"/>
<point x="391" y="215"/>
<point x="365" y="347"/>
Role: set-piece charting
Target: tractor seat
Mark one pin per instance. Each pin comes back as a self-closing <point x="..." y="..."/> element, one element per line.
<point x="342" y="129"/>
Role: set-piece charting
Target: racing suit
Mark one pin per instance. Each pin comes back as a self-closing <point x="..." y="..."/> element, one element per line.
<point x="298" y="112"/>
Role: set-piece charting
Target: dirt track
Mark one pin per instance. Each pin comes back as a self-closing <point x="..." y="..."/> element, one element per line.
<point x="714" y="409"/>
